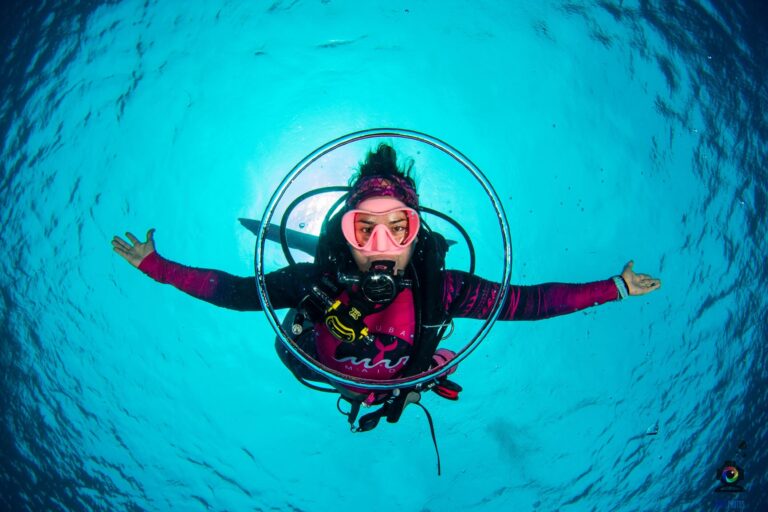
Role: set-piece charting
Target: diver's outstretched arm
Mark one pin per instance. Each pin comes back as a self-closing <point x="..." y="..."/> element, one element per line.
<point x="286" y="287"/>
<point x="469" y="296"/>
<point x="214" y="286"/>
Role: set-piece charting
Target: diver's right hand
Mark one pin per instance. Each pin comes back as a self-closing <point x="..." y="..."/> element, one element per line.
<point x="135" y="251"/>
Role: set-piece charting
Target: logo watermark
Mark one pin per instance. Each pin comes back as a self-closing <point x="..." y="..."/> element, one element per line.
<point x="730" y="476"/>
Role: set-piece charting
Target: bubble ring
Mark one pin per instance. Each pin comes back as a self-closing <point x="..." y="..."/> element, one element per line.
<point x="261" y="240"/>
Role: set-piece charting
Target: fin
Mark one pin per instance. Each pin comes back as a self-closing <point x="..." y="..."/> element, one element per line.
<point x="296" y="239"/>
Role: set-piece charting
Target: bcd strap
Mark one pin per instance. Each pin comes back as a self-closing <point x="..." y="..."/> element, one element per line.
<point x="353" y="412"/>
<point x="431" y="315"/>
<point x="395" y="408"/>
<point x="432" y="431"/>
<point x="392" y="409"/>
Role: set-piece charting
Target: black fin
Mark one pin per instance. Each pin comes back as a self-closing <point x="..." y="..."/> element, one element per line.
<point x="296" y="239"/>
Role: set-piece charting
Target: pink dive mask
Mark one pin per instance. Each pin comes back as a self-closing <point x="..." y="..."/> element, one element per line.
<point x="380" y="225"/>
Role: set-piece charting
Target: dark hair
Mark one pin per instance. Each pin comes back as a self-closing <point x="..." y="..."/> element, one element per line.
<point x="383" y="162"/>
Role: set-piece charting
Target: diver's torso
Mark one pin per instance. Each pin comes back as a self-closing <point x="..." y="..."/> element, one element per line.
<point x="393" y="329"/>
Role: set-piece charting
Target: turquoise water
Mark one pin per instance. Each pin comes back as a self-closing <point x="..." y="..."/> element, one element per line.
<point x="612" y="130"/>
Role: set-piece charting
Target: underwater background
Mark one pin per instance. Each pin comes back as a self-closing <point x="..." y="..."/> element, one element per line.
<point x="612" y="130"/>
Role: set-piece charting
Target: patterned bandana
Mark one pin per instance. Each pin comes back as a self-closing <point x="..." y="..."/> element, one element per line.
<point x="387" y="186"/>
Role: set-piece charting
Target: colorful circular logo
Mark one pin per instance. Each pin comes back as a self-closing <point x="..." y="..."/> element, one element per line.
<point x="730" y="475"/>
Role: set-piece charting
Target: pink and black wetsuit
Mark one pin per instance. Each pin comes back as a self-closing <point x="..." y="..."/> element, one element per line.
<point x="468" y="296"/>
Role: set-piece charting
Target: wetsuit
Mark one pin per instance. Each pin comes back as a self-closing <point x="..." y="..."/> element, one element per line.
<point x="466" y="295"/>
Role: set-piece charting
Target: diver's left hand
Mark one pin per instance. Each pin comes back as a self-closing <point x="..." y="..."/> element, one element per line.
<point x="639" y="284"/>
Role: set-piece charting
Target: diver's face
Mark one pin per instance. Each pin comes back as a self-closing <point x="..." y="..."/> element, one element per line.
<point x="396" y="223"/>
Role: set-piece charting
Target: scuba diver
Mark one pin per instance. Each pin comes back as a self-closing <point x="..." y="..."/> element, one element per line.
<point x="377" y="299"/>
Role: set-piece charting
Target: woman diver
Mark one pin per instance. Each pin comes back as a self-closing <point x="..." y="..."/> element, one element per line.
<point x="376" y="300"/>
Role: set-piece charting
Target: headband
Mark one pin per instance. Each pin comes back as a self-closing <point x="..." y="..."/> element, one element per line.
<point x="383" y="185"/>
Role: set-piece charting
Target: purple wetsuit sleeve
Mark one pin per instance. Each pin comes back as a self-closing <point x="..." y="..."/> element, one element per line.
<point x="473" y="297"/>
<point x="220" y="288"/>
